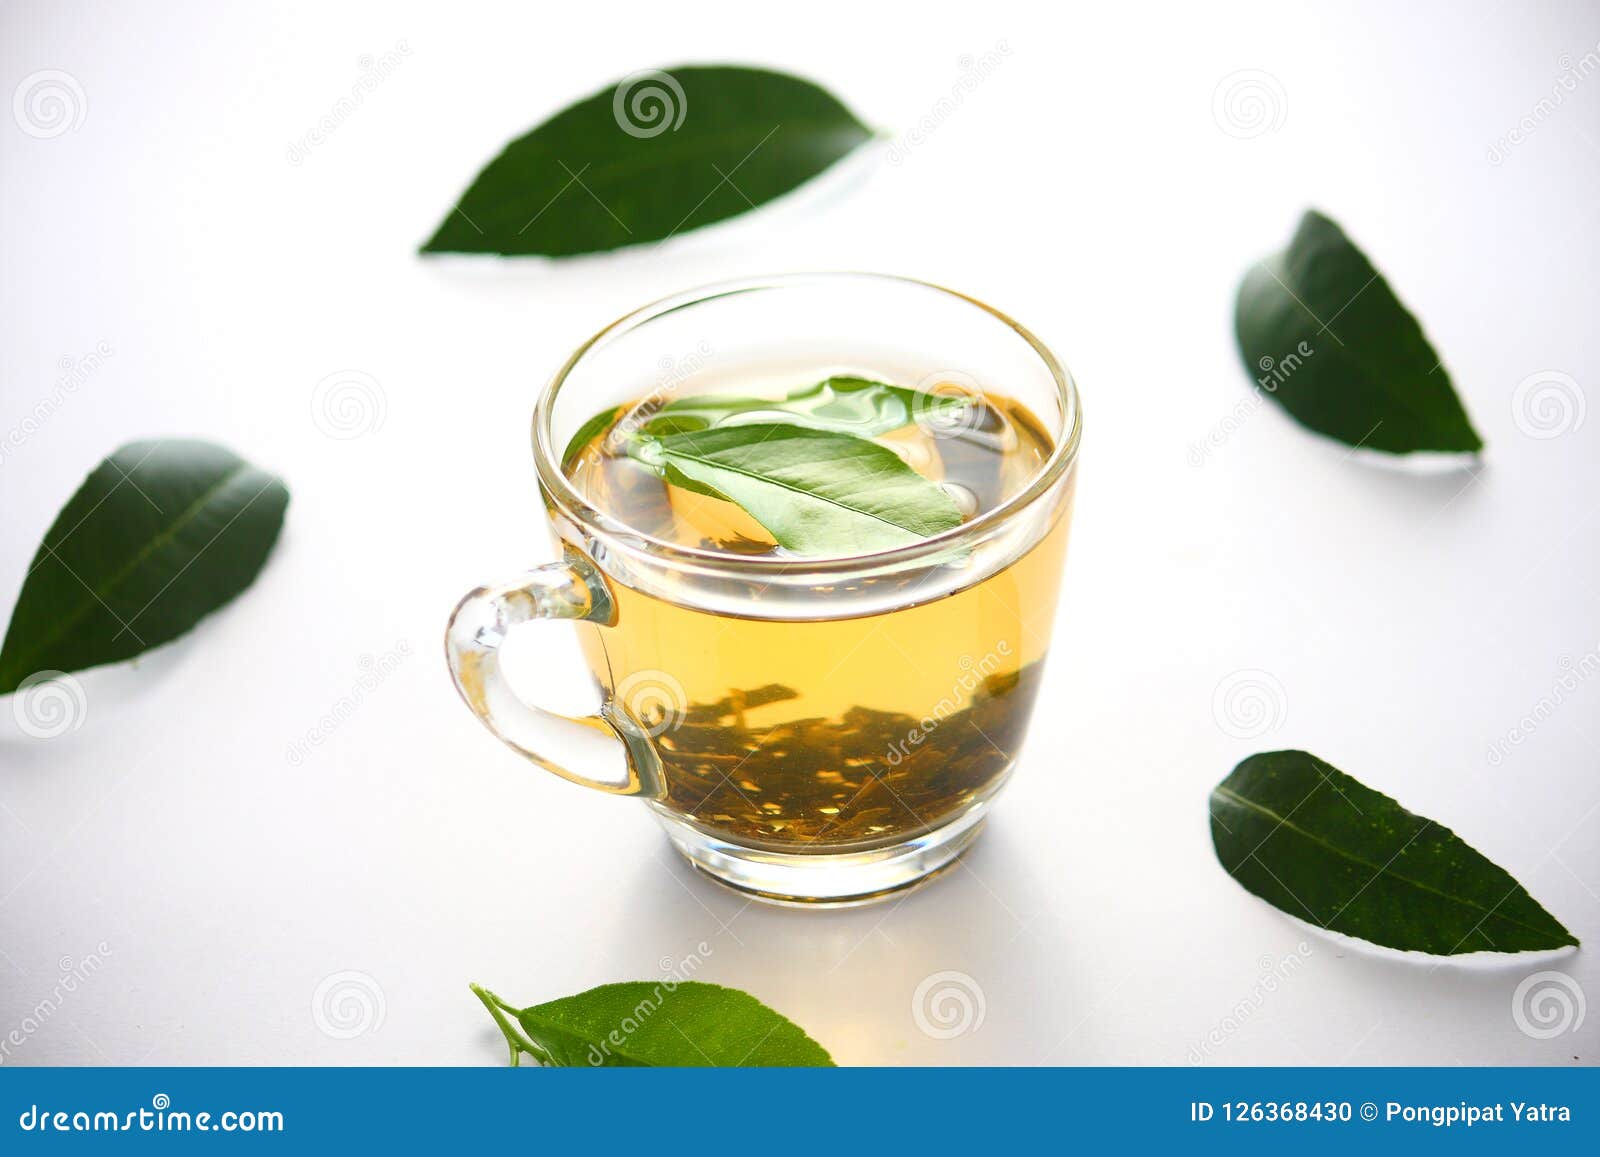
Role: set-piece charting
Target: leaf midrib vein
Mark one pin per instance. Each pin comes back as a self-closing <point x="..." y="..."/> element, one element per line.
<point x="711" y="144"/>
<point x="808" y="128"/>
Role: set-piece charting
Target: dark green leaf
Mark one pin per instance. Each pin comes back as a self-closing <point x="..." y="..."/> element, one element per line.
<point x="586" y="434"/>
<point x="671" y="1023"/>
<point x="815" y="491"/>
<point x="1321" y="331"/>
<point x="656" y="155"/>
<point x="1310" y="840"/>
<point x="846" y="405"/>
<point x="159" y="536"/>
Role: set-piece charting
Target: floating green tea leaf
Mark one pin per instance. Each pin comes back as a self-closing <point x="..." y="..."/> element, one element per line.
<point x="160" y="535"/>
<point x="1309" y="839"/>
<point x="815" y="491"/>
<point x="655" y="155"/>
<point x="1321" y="331"/>
<point x="684" y="1023"/>
<point x="843" y="404"/>
<point x="586" y="433"/>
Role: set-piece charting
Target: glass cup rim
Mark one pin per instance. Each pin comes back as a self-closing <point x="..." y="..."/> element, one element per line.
<point x="547" y="456"/>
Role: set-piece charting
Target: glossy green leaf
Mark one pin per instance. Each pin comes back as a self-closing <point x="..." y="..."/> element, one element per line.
<point x="843" y="404"/>
<point x="586" y="433"/>
<point x="655" y="155"/>
<point x="816" y="492"/>
<point x="663" y="1022"/>
<point x="160" y="535"/>
<point x="1311" y="840"/>
<point x="1321" y="331"/>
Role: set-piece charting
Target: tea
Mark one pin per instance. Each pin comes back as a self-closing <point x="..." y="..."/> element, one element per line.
<point x="829" y="733"/>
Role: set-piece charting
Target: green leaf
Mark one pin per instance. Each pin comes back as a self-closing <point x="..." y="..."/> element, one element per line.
<point x="843" y="404"/>
<point x="815" y="491"/>
<point x="653" y="156"/>
<point x="1309" y="839"/>
<point x="1321" y="331"/>
<point x="586" y="434"/>
<point x="160" y="535"/>
<point x="671" y="1023"/>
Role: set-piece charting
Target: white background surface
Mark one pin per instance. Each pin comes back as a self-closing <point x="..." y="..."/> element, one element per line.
<point x="1086" y="187"/>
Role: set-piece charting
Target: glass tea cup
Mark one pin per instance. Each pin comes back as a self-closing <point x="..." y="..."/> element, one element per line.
<point x="808" y="730"/>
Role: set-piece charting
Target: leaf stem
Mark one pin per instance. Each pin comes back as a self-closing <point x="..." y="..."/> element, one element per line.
<point x="516" y="1040"/>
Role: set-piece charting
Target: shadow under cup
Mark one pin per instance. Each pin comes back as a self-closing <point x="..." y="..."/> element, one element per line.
<point x="808" y="730"/>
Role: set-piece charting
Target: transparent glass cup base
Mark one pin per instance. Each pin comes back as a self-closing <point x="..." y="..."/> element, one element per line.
<point x="844" y="879"/>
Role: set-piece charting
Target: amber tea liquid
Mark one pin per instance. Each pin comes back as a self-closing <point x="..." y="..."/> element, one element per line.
<point x="832" y="734"/>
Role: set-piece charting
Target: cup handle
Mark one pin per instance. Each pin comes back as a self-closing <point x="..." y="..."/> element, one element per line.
<point x="572" y="590"/>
